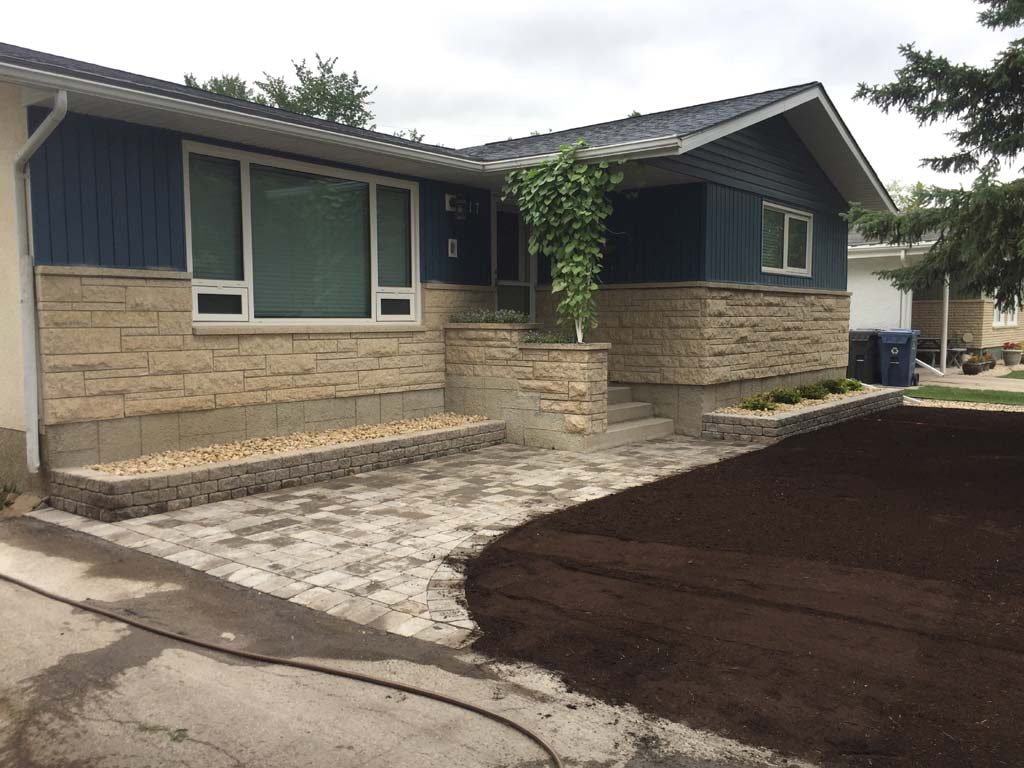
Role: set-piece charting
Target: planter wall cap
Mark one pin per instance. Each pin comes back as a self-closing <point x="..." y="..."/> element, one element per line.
<point x="585" y="346"/>
<point x="495" y="326"/>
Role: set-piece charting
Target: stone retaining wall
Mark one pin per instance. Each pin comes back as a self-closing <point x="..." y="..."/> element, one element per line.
<point x="110" y="497"/>
<point x="711" y="333"/>
<point x="774" y="427"/>
<point x="549" y="395"/>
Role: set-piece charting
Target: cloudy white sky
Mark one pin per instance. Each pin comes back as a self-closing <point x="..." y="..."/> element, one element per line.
<point x="466" y="73"/>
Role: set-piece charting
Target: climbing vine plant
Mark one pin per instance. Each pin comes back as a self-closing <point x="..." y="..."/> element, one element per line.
<point x="564" y="203"/>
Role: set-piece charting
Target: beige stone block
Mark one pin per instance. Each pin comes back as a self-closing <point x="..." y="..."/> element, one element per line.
<point x="546" y="386"/>
<point x="169" y="405"/>
<point x="283" y="364"/>
<point x="120" y="439"/>
<point x="59" y="318"/>
<point x="343" y="409"/>
<point x="63" y="385"/>
<point x="290" y="417"/>
<point x="577" y="424"/>
<point x="58" y="288"/>
<point x="159" y="432"/>
<point x="190" y="361"/>
<point x="134" y="384"/>
<point x="335" y="378"/>
<point x="265" y="344"/>
<point x="219" y="420"/>
<point x="59" y="341"/>
<point x="260" y="420"/>
<point x="175" y="323"/>
<point x="95" y="362"/>
<point x="158" y="297"/>
<point x="155" y="343"/>
<point x="65" y="438"/>
<point x="253" y="383"/>
<point x="225" y="344"/>
<point x="301" y="393"/>
<point x="400" y="361"/>
<point x="230" y="399"/>
<point x="337" y="364"/>
<point x="102" y="293"/>
<point x="368" y="409"/>
<point x="304" y="346"/>
<point x="391" y="406"/>
<point x="124" y="319"/>
<point x="376" y="347"/>
<point x="68" y="409"/>
<point x="240" y="363"/>
<point x="217" y="383"/>
<point x="422" y="399"/>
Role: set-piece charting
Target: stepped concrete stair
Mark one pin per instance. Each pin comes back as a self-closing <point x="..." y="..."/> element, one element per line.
<point x="630" y="421"/>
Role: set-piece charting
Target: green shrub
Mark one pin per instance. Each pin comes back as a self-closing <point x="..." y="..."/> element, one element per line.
<point x="786" y="396"/>
<point x="758" y="403"/>
<point x="489" y="316"/>
<point x="547" y="337"/>
<point x="816" y="391"/>
<point x="852" y="385"/>
<point x="835" y="386"/>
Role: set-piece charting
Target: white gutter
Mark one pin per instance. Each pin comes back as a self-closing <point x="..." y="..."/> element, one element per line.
<point x="26" y="277"/>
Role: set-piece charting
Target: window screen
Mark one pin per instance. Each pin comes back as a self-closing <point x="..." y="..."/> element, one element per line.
<point x="310" y="245"/>
<point x="796" y="248"/>
<point x="394" y="241"/>
<point x="772" y="226"/>
<point x="215" y="200"/>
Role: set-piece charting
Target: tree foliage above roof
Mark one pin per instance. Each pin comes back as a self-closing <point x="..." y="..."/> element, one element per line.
<point x="981" y="229"/>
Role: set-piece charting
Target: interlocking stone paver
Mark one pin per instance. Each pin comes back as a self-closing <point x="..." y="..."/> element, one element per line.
<point x="383" y="548"/>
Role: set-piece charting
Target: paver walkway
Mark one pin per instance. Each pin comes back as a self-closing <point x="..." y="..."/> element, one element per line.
<point x="372" y="548"/>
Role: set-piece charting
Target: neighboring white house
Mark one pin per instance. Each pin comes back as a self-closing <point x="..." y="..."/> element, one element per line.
<point x="875" y="302"/>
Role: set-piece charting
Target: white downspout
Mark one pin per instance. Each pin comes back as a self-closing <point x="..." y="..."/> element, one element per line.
<point x="26" y="276"/>
<point x="944" y="342"/>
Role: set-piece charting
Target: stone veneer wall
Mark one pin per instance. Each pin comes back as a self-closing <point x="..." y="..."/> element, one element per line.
<point x="770" y="428"/>
<point x="548" y="395"/>
<point x="125" y="372"/>
<point x="704" y="333"/>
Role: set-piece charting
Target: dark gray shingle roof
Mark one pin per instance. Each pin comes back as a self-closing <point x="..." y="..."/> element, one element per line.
<point x="673" y="122"/>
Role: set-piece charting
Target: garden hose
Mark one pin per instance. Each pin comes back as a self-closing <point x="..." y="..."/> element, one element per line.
<point x="309" y="667"/>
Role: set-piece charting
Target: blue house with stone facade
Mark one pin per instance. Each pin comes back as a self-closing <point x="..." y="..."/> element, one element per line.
<point x="193" y="268"/>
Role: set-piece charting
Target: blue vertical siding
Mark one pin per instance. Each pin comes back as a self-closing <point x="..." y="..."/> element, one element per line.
<point x="733" y="243"/>
<point x="473" y="265"/>
<point x="106" y="193"/>
<point x="655" y="235"/>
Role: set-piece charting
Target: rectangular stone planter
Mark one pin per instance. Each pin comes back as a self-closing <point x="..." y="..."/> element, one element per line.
<point x="772" y="427"/>
<point x="108" y="497"/>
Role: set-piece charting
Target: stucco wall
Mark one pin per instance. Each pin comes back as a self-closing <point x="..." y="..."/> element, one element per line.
<point x="13" y="133"/>
<point x="702" y="334"/>
<point x="875" y="303"/>
<point x="118" y="350"/>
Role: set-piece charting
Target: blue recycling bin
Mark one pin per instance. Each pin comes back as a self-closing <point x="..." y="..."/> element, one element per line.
<point x="897" y="351"/>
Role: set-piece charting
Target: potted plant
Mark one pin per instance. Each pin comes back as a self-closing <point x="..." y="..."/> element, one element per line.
<point x="973" y="365"/>
<point x="1012" y="352"/>
<point x="988" y="360"/>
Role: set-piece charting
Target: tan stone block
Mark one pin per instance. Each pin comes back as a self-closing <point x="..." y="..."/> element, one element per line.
<point x="577" y="424"/>
<point x="368" y="409"/>
<point x="175" y="322"/>
<point x="336" y="364"/>
<point x="267" y="382"/>
<point x="58" y="341"/>
<point x="400" y="361"/>
<point x="301" y="393"/>
<point x="230" y="399"/>
<point x="303" y="346"/>
<point x="191" y="361"/>
<point x="335" y="409"/>
<point x="58" y="288"/>
<point x="124" y="319"/>
<point x="265" y="344"/>
<point x="169" y="405"/>
<point x="120" y="439"/>
<point x="102" y="293"/>
<point x="282" y="364"/>
<point x="240" y="363"/>
<point x="376" y="347"/>
<point x="63" y="385"/>
<point x="68" y="409"/>
<point x="332" y="378"/>
<point x="544" y="385"/>
<point x="218" y="383"/>
<point x="158" y="297"/>
<point x="212" y="422"/>
<point x="220" y="343"/>
<point x="59" y="318"/>
<point x="159" y="432"/>
<point x="155" y="343"/>
<point x="120" y="386"/>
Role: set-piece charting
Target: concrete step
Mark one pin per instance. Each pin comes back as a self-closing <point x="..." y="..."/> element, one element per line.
<point x="620" y="412"/>
<point x="619" y="394"/>
<point x="634" y="431"/>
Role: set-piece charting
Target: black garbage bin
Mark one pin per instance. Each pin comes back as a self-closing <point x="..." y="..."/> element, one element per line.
<point x="897" y="351"/>
<point x="863" y="361"/>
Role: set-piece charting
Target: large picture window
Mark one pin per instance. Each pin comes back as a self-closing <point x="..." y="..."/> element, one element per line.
<point x="276" y="241"/>
<point x="786" y="238"/>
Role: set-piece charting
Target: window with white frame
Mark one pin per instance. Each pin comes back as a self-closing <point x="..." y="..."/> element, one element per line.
<point x="786" y="237"/>
<point x="277" y="241"/>
<point x="1005" y="318"/>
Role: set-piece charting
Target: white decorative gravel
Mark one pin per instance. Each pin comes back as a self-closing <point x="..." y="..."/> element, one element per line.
<point x="929" y="403"/>
<point x="787" y="408"/>
<point x="259" y="446"/>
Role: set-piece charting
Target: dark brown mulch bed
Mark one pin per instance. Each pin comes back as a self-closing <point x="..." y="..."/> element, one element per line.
<point x="853" y="596"/>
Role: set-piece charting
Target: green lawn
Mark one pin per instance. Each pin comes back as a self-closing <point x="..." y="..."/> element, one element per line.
<point x="1013" y="375"/>
<point x="955" y="394"/>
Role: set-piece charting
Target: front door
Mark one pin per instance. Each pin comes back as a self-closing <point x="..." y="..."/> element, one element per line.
<point x="515" y="275"/>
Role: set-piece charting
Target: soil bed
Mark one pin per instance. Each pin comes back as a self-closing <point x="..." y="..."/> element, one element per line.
<point x="853" y="596"/>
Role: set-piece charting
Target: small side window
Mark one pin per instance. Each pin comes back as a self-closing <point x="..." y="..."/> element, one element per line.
<point x="786" y="241"/>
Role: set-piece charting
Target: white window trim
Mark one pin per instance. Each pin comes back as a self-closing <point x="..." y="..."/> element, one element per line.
<point x="1009" y="319"/>
<point x="245" y="159"/>
<point x="789" y="213"/>
<point x="231" y="290"/>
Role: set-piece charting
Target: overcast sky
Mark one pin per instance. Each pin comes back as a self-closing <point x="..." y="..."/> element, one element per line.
<point x="466" y="73"/>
